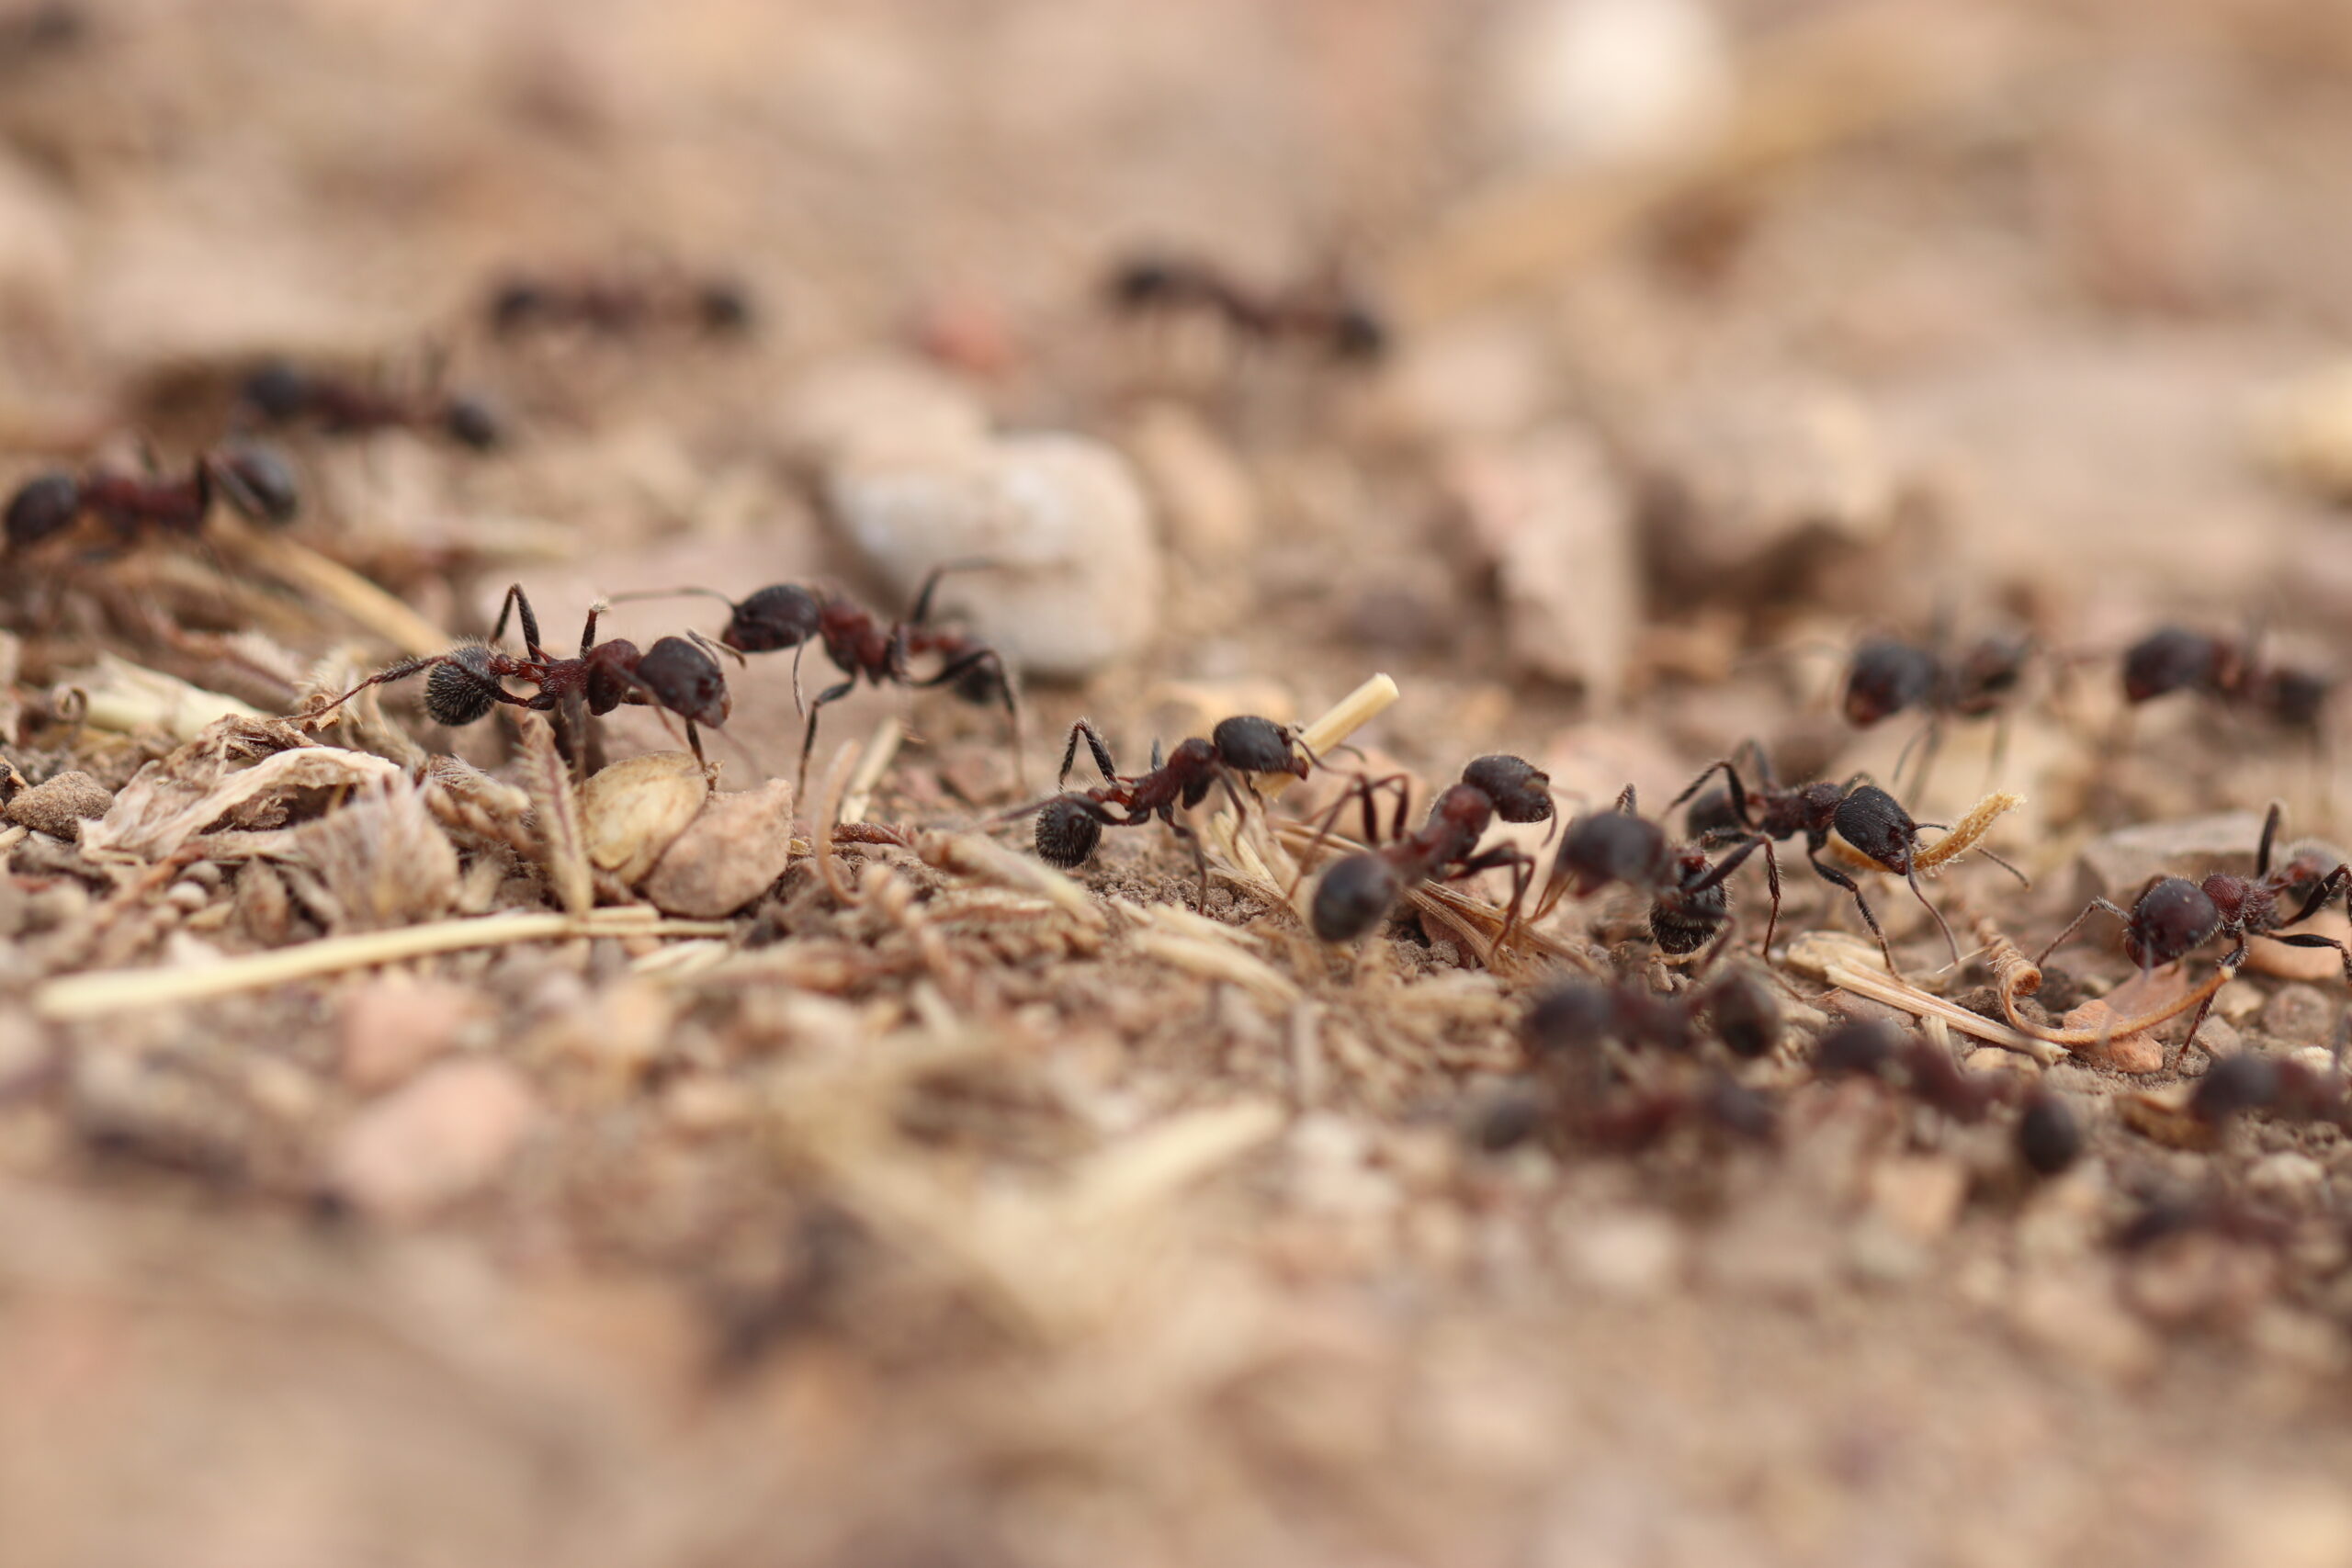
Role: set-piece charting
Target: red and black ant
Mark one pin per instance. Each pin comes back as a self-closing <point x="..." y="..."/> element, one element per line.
<point x="1342" y="325"/>
<point x="675" y="675"/>
<point x="861" y="644"/>
<point x="1888" y="677"/>
<point x="1359" y="889"/>
<point x="621" y="306"/>
<point x="1070" y="825"/>
<point x="1689" y="905"/>
<point x="253" y="479"/>
<point x="1578" y="1015"/>
<point x="2248" y="1081"/>
<point x="1869" y="819"/>
<point x="2173" y="917"/>
<point x="2230" y="669"/>
<point x="1566" y="1026"/>
<point x="2049" y="1139"/>
<point x="281" y="394"/>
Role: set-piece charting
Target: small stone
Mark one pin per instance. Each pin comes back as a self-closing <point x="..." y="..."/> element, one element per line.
<point x="731" y="853"/>
<point x="2302" y="1015"/>
<point x="2287" y="1175"/>
<point x="393" y="1025"/>
<point x="1918" y="1196"/>
<point x="2322" y="963"/>
<point x="60" y="806"/>
<point x="449" y="1134"/>
<point x="1587" y="83"/>
<point x="1074" y="579"/>
<point x="2139" y="1051"/>
<point x="1995" y="1059"/>
<point x="2118" y="865"/>
<point x="634" y="810"/>
<point x="2238" y="1003"/>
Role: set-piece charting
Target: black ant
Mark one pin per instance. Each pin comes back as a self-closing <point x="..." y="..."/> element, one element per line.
<point x="1689" y="905"/>
<point x="2250" y="1081"/>
<point x="1871" y="820"/>
<point x="1070" y="825"/>
<point x="1344" y="325"/>
<point x="1565" y="1025"/>
<point x="1578" y="1015"/>
<point x="253" y="479"/>
<point x="1358" y="889"/>
<point x="861" y="644"/>
<point x="2049" y="1139"/>
<point x="2173" y="917"/>
<point x="2230" y="669"/>
<point x="1888" y="677"/>
<point x="280" y="394"/>
<point x="620" y="307"/>
<point x="675" y="674"/>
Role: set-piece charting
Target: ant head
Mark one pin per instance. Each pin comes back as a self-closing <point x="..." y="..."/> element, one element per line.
<point x="472" y="422"/>
<point x="1604" y="847"/>
<point x="724" y="308"/>
<point x="1068" y="827"/>
<point x="1887" y="677"/>
<point x="1745" y="1014"/>
<point x="1253" y="745"/>
<point x="1353" y="896"/>
<point x="2048" y="1138"/>
<point x="1359" y="334"/>
<point x="1522" y="791"/>
<point x="1863" y="1047"/>
<point x="277" y="391"/>
<point x="1144" y="281"/>
<point x="256" y="480"/>
<point x="462" y="687"/>
<point x="1875" y="823"/>
<point x="516" y="304"/>
<point x="2171" y="919"/>
<point x="1713" y="816"/>
<point x="1575" y="1016"/>
<point x="686" y="680"/>
<point x="777" y="617"/>
<point x="2170" y="658"/>
<point x="43" y="505"/>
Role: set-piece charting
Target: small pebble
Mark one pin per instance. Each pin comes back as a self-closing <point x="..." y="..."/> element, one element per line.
<point x="2318" y="964"/>
<point x="2300" y="1015"/>
<point x="633" y="810"/>
<point x="729" y="855"/>
<point x="2287" y="1175"/>
<point x="394" y="1025"/>
<point x="60" y="806"/>
<point x="447" y="1134"/>
<point x="2117" y="864"/>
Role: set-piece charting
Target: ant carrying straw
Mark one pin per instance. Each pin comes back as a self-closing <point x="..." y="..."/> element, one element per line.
<point x="675" y="675"/>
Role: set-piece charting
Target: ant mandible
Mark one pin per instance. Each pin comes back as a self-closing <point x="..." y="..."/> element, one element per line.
<point x="675" y="674"/>
<point x="1871" y="820"/>
<point x="1360" y="889"/>
<point x="280" y="393"/>
<point x="2173" y="917"/>
<point x="253" y="479"/>
<point x="1070" y="825"/>
<point x="1689" y="903"/>
<point x="1888" y="677"/>
<point x="2230" y="669"/>
<point x="860" y="644"/>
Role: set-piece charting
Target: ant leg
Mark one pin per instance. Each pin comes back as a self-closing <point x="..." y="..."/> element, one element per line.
<point x="1359" y="788"/>
<point x="2089" y="909"/>
<point x="2230" y="963"/>
<point x="2334" y="882"/>
<point x="1921" y="894"/>
<point x="1522" y="876"/>
<point x="1729" y="864"/>
<point x="1832" y="875"/>
<point x="921" y="612"/>
<point x="693" y="744"/>
<point x="1102" y="762"/>
<point x="1773" y="883"/>
<point x="1730" y="771"/>
<point x="808" y="736"/>
<point x="588" y="633"/>
<point x="1625" y="801"/>
<point x="398" y="672"/>
<point x="517" y="600"/>
<point x="2269" y="837"/>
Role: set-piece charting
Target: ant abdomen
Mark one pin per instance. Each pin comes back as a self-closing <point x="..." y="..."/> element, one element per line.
<point x="43" y="505"/>
<point x="461" y="688"/>
<point x="1688" y="923"/>
<point x="2170" y="658"/>
<point x="1067" y="829"/>
<point x="258" y="482"/>
<point x="2048" y="1138"/>
<point x="1353" y="896"/>
<point x="777" y="617"/>
<point x="1747" y="1017"/>
<point x="1522" y="791"/>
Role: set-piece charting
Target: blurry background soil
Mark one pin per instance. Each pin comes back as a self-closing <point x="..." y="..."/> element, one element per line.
<point x="1862" y="311"/>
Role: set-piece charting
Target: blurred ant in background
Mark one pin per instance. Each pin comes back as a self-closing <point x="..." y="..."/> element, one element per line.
<point x="1326" y="315"/>
<point x="1888" y="676"/>
<point x="677" y="675"/>
<point x="861" y="644"/>
<point x="2048" y="1138"/>
<point x="253" y="479"/>
<point x="2232" y="671"/>
<point x="1358" y="890"/>
<point x="280" y="394"/>
<point x="620" y="307"/>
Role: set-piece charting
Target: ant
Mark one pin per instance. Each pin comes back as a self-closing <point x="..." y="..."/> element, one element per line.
<point x="279" y="393"/>
<point x="1871" y="820"/>
<point x="675" y="674"/>
<point x="1070" y="825"/>
<point x="1359" y="888"/>
<point x="2251" y="1081"/>
<point x="1345" y="326"/>
<point x="2173" y="917"/>
<point x="1580" y="1014"/>
<point x="786" y="616"/>
<point x="2048" y="1137"/>
<point x="620" y="307"/>
<point x="2174" y="658"/>
<point x="1689" y="906"/>
<point x="1888" y="677"/>
<point x="253" y="479"/>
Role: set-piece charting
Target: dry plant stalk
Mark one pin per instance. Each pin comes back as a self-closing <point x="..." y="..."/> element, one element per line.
<point x="872" y="764"/>
<point x="1962" y="837"/>
<point x="563" y="846"/>
<point x="2016" y="977"/>
<point x="124" y="990"/>
<point x="1897" y="992"/>
<point x="131" y="699"/>
<point x="301" y="567"/>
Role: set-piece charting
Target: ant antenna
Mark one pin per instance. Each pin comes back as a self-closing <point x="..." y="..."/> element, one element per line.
<point x="670" y="593"/>
<point x="714" y="649"/>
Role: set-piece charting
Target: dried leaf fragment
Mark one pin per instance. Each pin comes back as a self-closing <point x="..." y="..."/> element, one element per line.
<point x="562" y="849"/>
<point x="730" y="853"/>
<point x="636" y="808"/>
